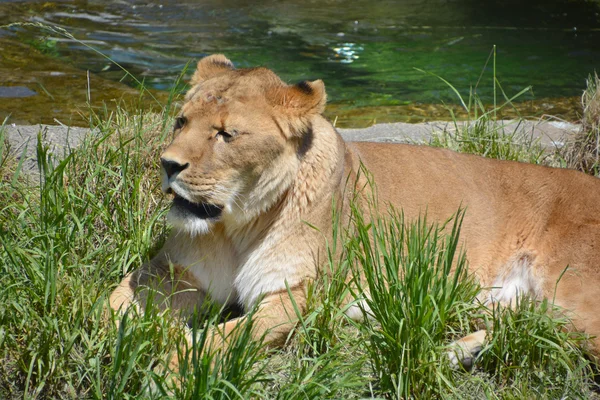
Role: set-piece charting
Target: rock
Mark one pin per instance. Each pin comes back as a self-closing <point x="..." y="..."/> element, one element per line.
<point x="16" y="91"/>
<point x="61" y="139"/>
<point x="551" y="133"/>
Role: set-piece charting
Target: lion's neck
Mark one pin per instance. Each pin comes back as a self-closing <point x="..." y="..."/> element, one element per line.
<point x="317" y="175"/>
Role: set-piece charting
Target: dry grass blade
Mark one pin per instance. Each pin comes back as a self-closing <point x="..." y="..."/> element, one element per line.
<point x="583" y="152"/>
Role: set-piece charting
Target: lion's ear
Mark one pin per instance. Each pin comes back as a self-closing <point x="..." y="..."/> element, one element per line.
<point x="302" y="99"/>
<point x="211" y="66"/>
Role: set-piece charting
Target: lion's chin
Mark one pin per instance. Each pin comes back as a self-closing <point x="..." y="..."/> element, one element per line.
<point x="190" y="225"/>
<point x="196" y="219"/>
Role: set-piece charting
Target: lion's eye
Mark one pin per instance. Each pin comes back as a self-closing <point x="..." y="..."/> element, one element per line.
<point x="180" y="123"/>
<point x="226" y="136"/>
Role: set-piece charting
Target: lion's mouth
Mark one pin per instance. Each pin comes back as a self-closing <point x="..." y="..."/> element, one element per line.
<point x="200" y="210"/>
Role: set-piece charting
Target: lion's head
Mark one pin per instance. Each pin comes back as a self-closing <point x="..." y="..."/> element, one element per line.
<point x="237" y="145"/>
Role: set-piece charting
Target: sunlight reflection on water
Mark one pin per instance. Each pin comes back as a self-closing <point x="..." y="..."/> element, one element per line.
<point x="347" y="52"/>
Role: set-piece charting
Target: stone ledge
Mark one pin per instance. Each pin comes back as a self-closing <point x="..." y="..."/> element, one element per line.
<point x="61" y="139"/>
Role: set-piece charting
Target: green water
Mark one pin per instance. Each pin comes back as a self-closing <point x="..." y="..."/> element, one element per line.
<point x="367" y="52"/>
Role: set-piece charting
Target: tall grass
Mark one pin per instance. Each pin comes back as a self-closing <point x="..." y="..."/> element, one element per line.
<point x="95" y="216"/>
<point x="533" y="346"/>
<point x="482" y="132"/>
<point x="234" y="373"/>
<point x="416" y="293"/>
<point x="583" y="151"/>
<point x="63" y="245"/>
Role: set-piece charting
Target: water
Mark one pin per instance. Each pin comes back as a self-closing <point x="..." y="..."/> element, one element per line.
<point x="368" y="52"/>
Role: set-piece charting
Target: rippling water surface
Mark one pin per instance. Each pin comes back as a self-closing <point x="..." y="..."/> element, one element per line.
<point x="368" y="52"/>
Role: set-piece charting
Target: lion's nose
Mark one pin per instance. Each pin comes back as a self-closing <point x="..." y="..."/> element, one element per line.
<point x="172" y="167"/>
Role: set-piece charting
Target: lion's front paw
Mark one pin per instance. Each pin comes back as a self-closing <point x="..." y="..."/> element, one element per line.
<point x="464" y="351"/>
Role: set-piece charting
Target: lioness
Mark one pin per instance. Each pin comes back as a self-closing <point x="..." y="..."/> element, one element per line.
<point x="253" y="160"/>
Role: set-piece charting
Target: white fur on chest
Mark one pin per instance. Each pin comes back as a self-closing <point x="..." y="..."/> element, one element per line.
<point x="230" y="277"/>
<point x="213" y="264"/>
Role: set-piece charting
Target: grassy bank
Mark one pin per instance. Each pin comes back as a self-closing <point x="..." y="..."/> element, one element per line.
<point x="70" y="235"/>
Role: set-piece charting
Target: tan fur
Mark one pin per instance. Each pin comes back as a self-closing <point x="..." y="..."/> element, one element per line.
<point x="282" y="165"/>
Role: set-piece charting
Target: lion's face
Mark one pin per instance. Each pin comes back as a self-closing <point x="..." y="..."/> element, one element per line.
<point x="237" y="143"/>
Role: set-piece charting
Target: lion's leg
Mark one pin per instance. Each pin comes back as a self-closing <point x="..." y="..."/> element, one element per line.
<point x="517" y="278"/>
<point x="274" y="319"/>
<point x="124" y="295"/>
<point x="167" y="285"/>
<point x="464" y="350"/>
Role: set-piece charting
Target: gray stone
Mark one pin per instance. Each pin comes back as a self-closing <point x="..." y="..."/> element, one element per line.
<point x="551" y="133"/>
<point x="61" y="139"/>
<point x="16" y="91"/>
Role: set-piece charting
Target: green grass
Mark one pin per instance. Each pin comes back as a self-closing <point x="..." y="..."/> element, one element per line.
<point x="482" y="132"/>
<point x="414" y="300"/>
<point x="70" y="235"/>
<point x="534" y="346"/>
